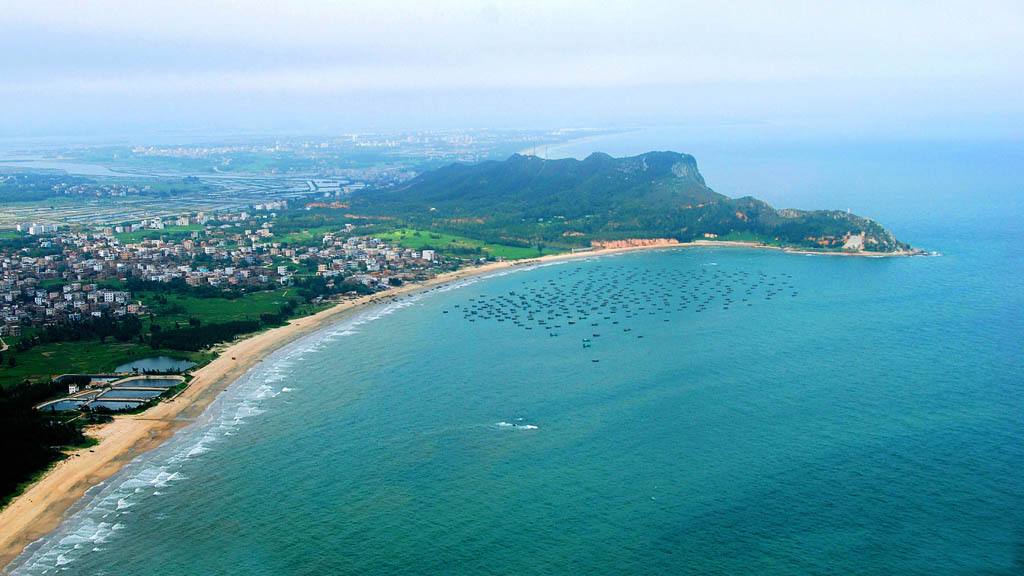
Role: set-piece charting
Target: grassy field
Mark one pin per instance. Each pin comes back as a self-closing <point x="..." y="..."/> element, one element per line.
<point x="306" y="237"/>
<point x="452" y="244"/>
<point x="47" y="360"/>
<point x="180" y="308"/>
<point x="302" y="268"/>
<point x="49" y="283"/>
<point x="168" y="232"/>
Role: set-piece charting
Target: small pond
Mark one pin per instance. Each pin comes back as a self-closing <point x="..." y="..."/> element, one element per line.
<point x="158" y="363"/>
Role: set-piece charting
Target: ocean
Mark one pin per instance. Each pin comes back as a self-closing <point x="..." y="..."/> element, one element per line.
<point x="682" y="411"/>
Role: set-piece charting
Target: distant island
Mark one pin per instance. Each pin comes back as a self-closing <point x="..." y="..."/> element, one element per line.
<point x="601" y="200"/>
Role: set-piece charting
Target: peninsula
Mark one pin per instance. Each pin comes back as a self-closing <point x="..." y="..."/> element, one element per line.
<point x="570" y="203"/>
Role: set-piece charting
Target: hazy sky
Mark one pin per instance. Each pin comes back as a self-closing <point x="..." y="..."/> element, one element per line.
<point x="842" y="69"/>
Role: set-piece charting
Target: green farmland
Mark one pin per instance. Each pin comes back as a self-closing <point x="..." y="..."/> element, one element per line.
<point x="167" y="232"/>
<point x="459" y="245"/>
<point x="180" y="308"/>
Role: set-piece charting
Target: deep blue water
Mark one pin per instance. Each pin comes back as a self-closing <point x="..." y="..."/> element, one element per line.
<point x="871" y="424"/>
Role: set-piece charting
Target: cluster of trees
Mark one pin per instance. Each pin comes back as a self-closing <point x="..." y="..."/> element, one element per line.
<point x="29" y="246"/>
<point x="314" y="287"/>
<point x="30" y="440"/>
<point x="18" y="243"/>
<point x="198" y="336"/>
<point x="282" y="315"/>
<point x="121" y="329"/>
<point x="28" y="187"/>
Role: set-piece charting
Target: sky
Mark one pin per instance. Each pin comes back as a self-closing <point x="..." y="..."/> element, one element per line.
<point x="894" y="69"/>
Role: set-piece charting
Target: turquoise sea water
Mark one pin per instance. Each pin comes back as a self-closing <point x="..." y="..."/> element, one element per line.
<point x="871" y="424"/>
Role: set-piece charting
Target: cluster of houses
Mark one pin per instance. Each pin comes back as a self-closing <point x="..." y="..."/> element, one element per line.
<point x="59" y="280"/>
<point x="201" y="219"/>
<point x="368" y="260"/>
<point x="21" y="304"/>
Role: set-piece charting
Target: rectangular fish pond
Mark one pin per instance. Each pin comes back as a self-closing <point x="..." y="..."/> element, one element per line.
<point x="125" y="394"/>
<point x="62" y="405"/>
<point x="131" y="393"/>
<point x="115" y="405"/>
<point x="148" y="382"/>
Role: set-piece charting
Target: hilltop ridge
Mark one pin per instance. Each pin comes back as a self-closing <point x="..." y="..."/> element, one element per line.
<point x="570" y="202"/>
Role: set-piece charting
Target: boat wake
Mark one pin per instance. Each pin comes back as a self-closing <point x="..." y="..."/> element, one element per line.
<point x="516" y="426"/>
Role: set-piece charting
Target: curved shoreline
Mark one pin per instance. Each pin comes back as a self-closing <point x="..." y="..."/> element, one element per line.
<point x="43" y="506"/>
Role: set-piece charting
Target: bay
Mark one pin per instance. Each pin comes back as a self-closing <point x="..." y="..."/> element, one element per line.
<point x="870" y="424"/>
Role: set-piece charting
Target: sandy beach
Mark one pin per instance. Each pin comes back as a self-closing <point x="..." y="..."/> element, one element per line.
<point x="42" y="507"/>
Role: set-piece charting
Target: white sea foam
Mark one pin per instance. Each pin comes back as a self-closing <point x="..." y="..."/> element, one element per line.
<point x="510" y="425"/>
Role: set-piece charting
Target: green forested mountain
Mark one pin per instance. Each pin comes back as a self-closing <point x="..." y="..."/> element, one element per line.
<point x="528" y="200"/>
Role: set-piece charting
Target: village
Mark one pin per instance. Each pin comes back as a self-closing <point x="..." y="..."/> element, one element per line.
<point x="59" y="275"/>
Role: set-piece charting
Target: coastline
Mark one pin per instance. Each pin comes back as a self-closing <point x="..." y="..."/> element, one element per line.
<point x="788" y="250"/>
<point x="43" y="506"/>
